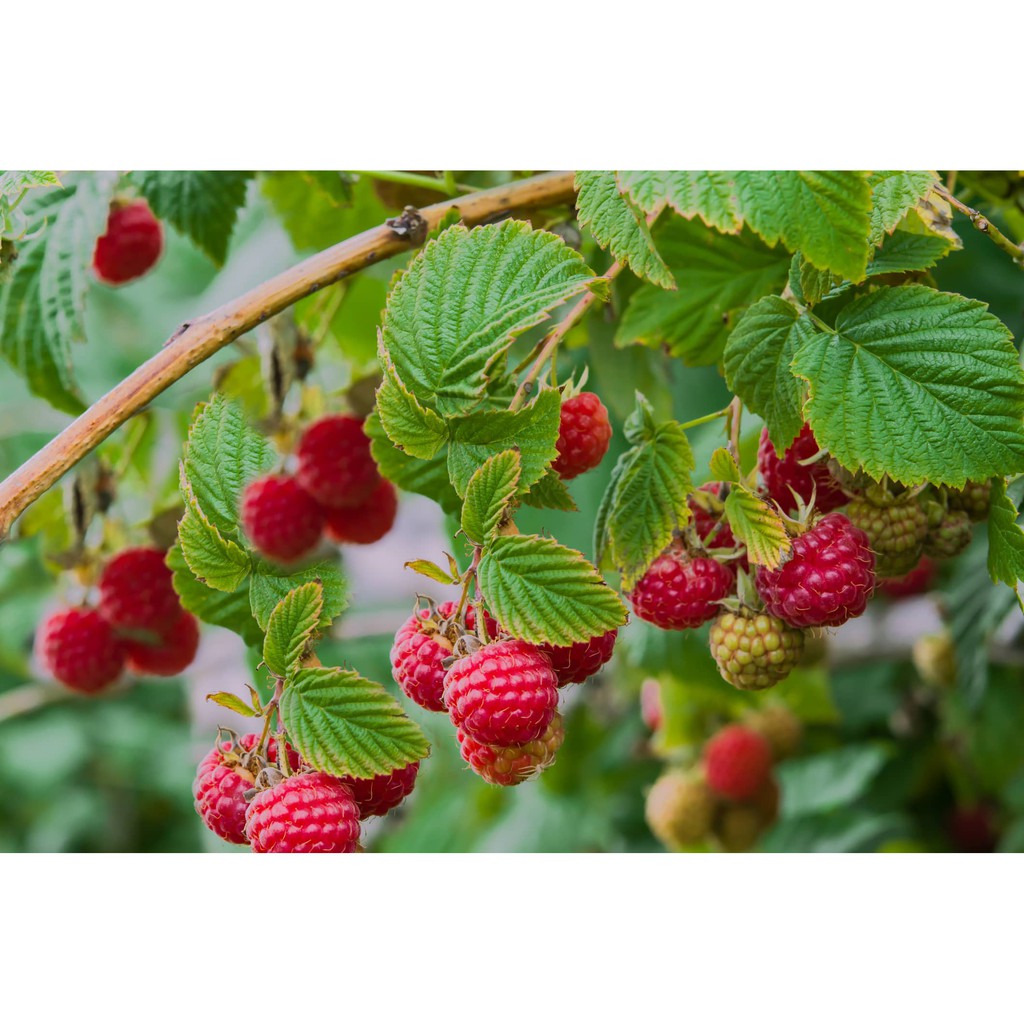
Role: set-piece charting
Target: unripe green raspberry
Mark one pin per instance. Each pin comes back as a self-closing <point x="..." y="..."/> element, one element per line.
<point x="754" y="650"/>
<point x="950" y="537"/>
<point x="738" y="825"/>
<point x="934" y="658"/>
<point x="973" y="499"/>
<point x="780" y="727"/>
<point x="679" y="809"/>
<point x="895" y="531"/>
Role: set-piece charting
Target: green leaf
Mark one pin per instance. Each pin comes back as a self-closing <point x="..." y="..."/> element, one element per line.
<point x="13" y="183"/>
<point x="271" y="584"/>
<point x="232" y="703"/>
<point x="222" y="454"/>
<point x="618" y="225"/>
<point x="488" y="494"/>
<point x="755" y="523"/>
<point x="1005" y="538"/>
<point x="532" y="429"/>
<point x="705" y="194"/>
<point x="830" y="780"/>
<point x="758" y="357"/>
<point x="550" y="492"/>
<point x="345" y="725"/>
<point x="214" y="560"/>
<point x="543" y="592"/>
<point x="203" y="205"/>
<point x="903" y="251"/>
<point x="410" y="427"/>
<point x="809" y="284"/>
<point x="291" y="624"/>
<point x="321" y="208"/>
<point x="826" y="215"/>
<point x="718" y="276"/>
<point x="893" y="195"/>
<point x="430" y="569"/>
<point x="465" y="298"/>
<point x="919" y="384"/>
<point x="723" y="466"/>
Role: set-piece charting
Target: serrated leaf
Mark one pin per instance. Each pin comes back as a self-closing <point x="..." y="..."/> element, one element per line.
<point x="1005" y="538"/>
<point x="232" y="703"/>
<point x="618" y="225"/>
<point x="411" y="427"/>
<point x="718" y="276"/>
<point x="213" y="559"/>
<point x="429" y="569"/>
<point x="826" y="215"/>
<point x="757" y="525"/>
<point x="705" y="194"/>
<point x="203" y="205"/>
<point x="903" y="251"/>
<point x="290" y="627"/>
<point x="488" y="494"/>
<point x="271" y="583"/>
<point x="343" y="724"/>
<point x="465" y="298"/>
<point x="809" y="284"/>
<point x="13" y="183"/>
<point x="543" y="592"/>
<point x="723" y="466"/>
<point x="758" y="357"/>
<point x="893" y="195"/>
<point x="532" y="429"/>
<point x="550" y="492"/>
<point x="919" y="384"/>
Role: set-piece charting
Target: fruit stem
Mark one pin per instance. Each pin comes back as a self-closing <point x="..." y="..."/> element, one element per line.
<point x="416" y="181"/>
<point x="706" y="419"/>
<point x="736" y="412"/>
<point x="468" y="579"/>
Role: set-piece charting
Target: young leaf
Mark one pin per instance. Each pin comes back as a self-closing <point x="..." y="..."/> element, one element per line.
<point x="543" y="592"/>
<point x="619" y="225"/>
<point x="232" y="703"/>
<point x="919" y="384"/>
<point x="1005" y="538"/>
<point x="429" y="569"/>
<point x="488" y="494"/>
<point x="271" y="583"/>
<point x="345" y="725"/>
<point x="704" y="194"/>
<point x="550" y="492"/>
<point x="214" y="560"/>
<point x="757" y="365"/>
<point x="809" y="284"/>
<point x="464" y="300"/>
<point x="201" y="204"/>
<point x="411" y="428"/>
<point x="290" y="627"/>
<point x="723" y="466"/>
<point x="893" y="195"/>
<point x="755" y="523"/>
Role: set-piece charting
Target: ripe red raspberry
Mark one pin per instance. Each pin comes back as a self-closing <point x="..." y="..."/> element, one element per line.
<point x="81" y="650"/>
<point x="780" y="475"/>
<point x="679" y="809"/>
<point x="132" y="244"/>
<point x="173" y="650"/>
<point x="827" y="580"/>
<point x="504" y="694"/>
<point x="581" y="660"/>
<point x="306" y="813"/>
<point x="704" y="521"/>
<point x="583" y="435"/>
<point x="366" y="522"/>
<point x="973" y="499"/>
<point x="737" y="762"/>
<point x="135" y="590"/>
<point x="380" y="794"/>
<point x="508" y="766"/>
<point x="222" y="779"/>
<point x="950" y="536"/>
<point x="334" y="462"/>
<point x="895" y="532"/>
<point x="679" y="592"/>
<point x="918" y="581"/>
<point x="280" y="518"/>
<point x="754" y="651"/>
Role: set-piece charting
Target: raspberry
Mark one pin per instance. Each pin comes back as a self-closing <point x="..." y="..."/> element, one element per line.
<point x="950" y="537"/>
<point x="583" y="435"/>
<point x="81" y="650"/>
<point x="895" y="531"/>
<point x="754" y="651"/>
<point x="420" y="648"/>
<point x="222" y="778"/>
<point x="173" y="652"/>
<point x="504" y="694"/>
<point x="737" y="762"/>
<point x="306" y="813"/>
<point x="780" y="475"/>
<point x="280" y="518"/>
<point x="917" y="581"/>
<point x="972" y="829"/>
<point x="973" y="499"/>
<point x="780" y="727"/>
<point x="581" y="660"/>
<point x="827" y="580"/>
<point x="651" y="710"/>
<point x="508" y="766"/>
<point x="380" y="794"/>
<point x="679" y="809"/>
<point x="132" y="244"/>
<point x="679" y="592"/>
<point x="737" y="828"/>
<point x="366" y="522"/>
<point x="334" y="462"/>
<point x="135" y="590"/>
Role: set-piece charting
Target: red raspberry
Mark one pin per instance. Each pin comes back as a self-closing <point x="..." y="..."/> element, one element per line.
<point x="504" y="694"/>
<point x="81" y="650"/>
<point x="380" y="794"/>
<point x="223" y="777"/>
<point x="827" y="580"/>
<point x="918" y="581"/>
<point x="307" y="813"/>
<point x="366" y="522"/>
<point x="581" y="660"/>
<point x="280" y="518"/>
<point x="678" y="592"/>
<point x="737" y="762"/>
<point x="132" y="244"/>
<point x="972" y="829"/>
<point x="508" y="766"/>
<point x="334" y="462"/>
<point x="780" y="475"/>
<point x="583" y="435"/>
<point x="135" y="590"/>
<point x="172" y="653"/>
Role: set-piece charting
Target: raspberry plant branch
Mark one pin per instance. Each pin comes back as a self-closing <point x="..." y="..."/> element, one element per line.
<point x="983" y="224"/>
<point x="195" y="341"/>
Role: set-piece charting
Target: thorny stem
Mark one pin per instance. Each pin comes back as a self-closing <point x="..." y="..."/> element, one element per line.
<point x="983" y="224"/>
